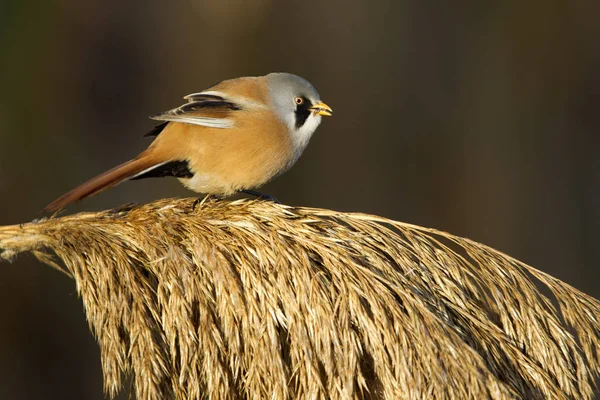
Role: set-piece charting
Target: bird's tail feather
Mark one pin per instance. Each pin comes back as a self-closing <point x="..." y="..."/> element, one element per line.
<point x="104" y="181"/>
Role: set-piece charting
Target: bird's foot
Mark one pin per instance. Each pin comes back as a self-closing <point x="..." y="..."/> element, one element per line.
<point x="200" y="201"/>
<point x="262" y="196"/>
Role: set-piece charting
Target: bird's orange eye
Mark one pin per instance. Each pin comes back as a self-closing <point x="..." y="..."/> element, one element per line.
<point x="299" y="100"/>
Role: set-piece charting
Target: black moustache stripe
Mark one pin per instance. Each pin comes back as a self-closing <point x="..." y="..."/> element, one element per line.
<point x="302" y="113"/>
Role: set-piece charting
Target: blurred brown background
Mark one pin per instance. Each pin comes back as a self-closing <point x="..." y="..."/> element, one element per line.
<point x="477" y="118"/>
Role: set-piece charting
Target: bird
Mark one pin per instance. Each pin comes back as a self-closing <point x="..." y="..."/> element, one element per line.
<point x="232" y="137"/>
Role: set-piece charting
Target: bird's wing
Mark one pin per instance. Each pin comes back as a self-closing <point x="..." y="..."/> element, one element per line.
<point x="201" y="109"/>
<point x="206" y="95"/>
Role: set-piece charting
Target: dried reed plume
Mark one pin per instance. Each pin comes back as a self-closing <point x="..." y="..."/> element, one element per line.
<point x="250" y="299"/>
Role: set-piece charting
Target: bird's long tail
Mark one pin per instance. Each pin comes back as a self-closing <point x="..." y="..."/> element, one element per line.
<point x="104" y="181"/>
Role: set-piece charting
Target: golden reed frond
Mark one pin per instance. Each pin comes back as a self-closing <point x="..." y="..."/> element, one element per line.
<point x="250" y="299"/>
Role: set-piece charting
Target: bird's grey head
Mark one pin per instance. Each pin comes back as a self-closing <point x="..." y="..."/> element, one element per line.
<point x="298" y="105"/>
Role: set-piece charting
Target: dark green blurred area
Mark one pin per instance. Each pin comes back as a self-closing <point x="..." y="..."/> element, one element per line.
<point x="477" y="118"/>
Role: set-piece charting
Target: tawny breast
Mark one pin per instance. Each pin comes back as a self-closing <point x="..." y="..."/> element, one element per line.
<point x="224" y="161"/>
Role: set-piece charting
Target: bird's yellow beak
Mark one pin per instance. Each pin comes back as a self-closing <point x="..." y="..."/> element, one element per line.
<point x="321" y="108"/>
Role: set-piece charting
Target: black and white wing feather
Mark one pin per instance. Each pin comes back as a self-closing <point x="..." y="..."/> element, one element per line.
<point x="202" y="109"/>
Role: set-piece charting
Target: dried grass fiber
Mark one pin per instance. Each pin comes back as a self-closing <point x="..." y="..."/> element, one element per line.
<point x="250" y="299"/>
